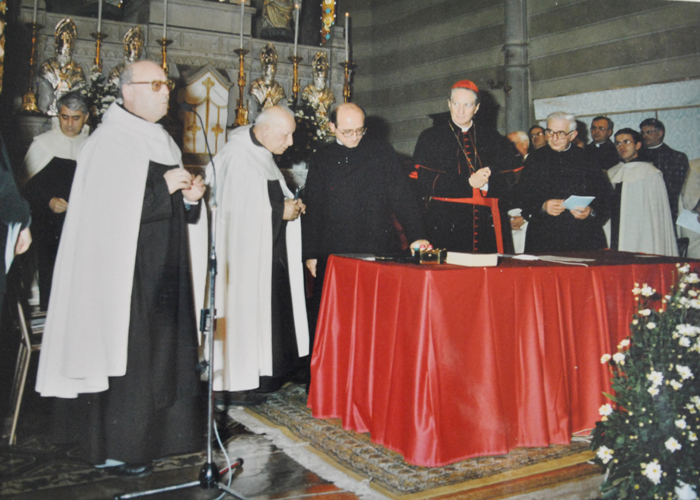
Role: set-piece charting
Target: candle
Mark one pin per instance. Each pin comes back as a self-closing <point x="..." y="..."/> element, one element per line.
<point x="347" y="51"/>
<point x="242" y="15"/>
<point x="99" y="16"/>
<point x="296" y="27"/>
<point x="36" y="6"/>
<point x="165" y="19"/>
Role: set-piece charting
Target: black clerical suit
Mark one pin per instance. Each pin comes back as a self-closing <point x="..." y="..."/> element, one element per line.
<point x="550" y="174"/>
<point x="353" y="197"/>
<point x="602" y="156"/>
<point x="460" y="217"/>
<point x="674" y="167"/>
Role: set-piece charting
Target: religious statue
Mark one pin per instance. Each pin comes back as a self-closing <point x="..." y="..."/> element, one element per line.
<point x="133" y="48"/>
<point x="277" y="19"/>
<point x="265" y="89"/>
<point x="60" y="74"/>
<point x="277" y="14"/>
<point x="317" y="95"/>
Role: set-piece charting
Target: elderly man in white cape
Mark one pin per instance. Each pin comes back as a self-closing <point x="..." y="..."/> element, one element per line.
<point x="120" y="343"/>
<point x="262" y="327"/>
<point x="640" y="216"/>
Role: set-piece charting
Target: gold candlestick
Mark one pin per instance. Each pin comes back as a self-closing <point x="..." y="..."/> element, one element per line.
<point x="99" y="36"/>
<point x="164" y="42"/>
<point x="241" y="110"/>
<point x="346" y="86"/>
<point x="295" y="86"/>
<point x="29" y="98"/>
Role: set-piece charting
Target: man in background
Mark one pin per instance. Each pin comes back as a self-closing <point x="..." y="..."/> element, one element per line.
<point x="601" y="151"/>
<point x="50" y="168"/>
<point x="640" y="219"/>
<point x="673" y="164"/>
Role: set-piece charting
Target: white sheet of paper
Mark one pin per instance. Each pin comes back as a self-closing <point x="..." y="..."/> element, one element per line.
<point x="573" y="202"/>
<point x="689" y="220"/>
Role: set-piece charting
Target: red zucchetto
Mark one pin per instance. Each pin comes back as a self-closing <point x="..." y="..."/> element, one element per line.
<point x="466" y="84"/>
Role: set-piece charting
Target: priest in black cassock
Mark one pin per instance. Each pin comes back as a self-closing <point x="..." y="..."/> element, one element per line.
<point x="355" y="194"/>
<point x="50" y="165"/>
<point x="551" y="175"/>
<point x="120" y="344"/>
<point x="461" y="169"/>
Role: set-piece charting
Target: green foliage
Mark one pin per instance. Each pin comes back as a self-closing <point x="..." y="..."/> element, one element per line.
<point x="648" y="436"/>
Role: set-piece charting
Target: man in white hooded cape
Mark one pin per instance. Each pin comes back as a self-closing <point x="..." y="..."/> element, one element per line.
<point x="262" y="326"/>
<point x="640" y="216"/>
<point x="120" y="344"/>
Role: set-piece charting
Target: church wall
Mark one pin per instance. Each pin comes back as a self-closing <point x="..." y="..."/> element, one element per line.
<point x="409" y="52"/>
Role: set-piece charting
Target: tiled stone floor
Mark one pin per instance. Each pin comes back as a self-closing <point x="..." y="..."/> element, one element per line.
<point x="267" y="472"/>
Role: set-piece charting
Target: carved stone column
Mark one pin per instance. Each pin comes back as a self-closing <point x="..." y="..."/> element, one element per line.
<point x="517" y="66"/>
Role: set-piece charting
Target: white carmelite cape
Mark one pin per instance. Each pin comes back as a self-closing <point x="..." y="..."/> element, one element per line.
<point x="87" y="326"/>
<point x="645" y="217"/>
<point x="52" y="144"/>
<point x="243" y="346"/>
<point x="690" y="195"/>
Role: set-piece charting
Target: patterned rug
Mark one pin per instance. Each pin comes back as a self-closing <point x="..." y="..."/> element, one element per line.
<point x="387" y="469"/>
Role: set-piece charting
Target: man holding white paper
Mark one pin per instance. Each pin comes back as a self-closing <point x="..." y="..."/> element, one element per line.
<point x="553" y="174"/>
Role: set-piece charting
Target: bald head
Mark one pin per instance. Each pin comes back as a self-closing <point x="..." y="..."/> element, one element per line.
<point x="137" y="90"/>
<point x="274" y="128"/>
<point x="520" y="140"/>
<point x="348" y="124"/>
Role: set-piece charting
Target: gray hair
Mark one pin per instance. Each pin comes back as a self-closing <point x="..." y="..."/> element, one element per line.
<point x="522" y="136"/>
<point x="268" y="118"/>
<point x="73" y="101"/>
<point x="562" y="115"/>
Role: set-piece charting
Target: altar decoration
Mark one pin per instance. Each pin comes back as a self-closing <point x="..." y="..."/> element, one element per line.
<point x="327" y="20"/>
<point x="647" y="438"/>
<point x="99" y="93"/>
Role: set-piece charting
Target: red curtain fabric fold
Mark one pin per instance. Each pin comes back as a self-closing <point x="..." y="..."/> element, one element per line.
<point x="444" y="363"/>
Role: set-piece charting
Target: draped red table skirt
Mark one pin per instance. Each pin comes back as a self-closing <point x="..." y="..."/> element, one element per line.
<point x="443" y="363"/>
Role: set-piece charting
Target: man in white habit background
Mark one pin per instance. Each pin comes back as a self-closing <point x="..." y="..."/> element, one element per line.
<point x="50" y="167"/>
<point x="689" y="200"/>
<point x="262" y="327"/>
<point x="120" y="343"/>
<point x="640" y="218"/>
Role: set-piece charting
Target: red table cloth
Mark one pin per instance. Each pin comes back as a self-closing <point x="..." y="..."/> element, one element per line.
<point x="443" y="363"/>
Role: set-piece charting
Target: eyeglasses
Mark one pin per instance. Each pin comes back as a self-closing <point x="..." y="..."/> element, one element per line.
<point x="602" y="129"/>
<point x="536" y="134"/>
<point x="156" y="84"/>
<point x="626" y="142"/>
<point x="651" y="131"/>
<point x="559" y="134"/>
<point x="359" y="132"/>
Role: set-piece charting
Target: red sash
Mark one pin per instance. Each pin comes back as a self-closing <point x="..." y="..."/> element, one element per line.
<point x="492" y="203"/>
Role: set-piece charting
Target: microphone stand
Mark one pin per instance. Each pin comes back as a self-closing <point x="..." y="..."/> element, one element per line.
<point x="209" y="474"/>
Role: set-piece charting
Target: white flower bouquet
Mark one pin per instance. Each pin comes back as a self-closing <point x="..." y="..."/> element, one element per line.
<point x="647" y="438"/>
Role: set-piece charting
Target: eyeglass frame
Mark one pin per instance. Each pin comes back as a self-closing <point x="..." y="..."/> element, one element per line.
<point x="358" y="132"/>
<point x="536" y="134"/>
<point x="156" y="85"/>
<point x="559" y="134"/>
<point x="652" y="131"/>
<point x="602" y="129"/>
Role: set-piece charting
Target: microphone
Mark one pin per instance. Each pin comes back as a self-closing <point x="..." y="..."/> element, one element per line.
<point x="188" y="108"/>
